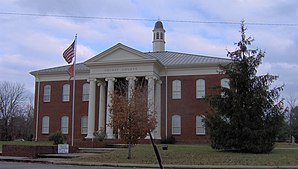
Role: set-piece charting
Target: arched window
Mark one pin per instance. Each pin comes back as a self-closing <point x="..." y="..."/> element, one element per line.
<point x="225" y="83"/>
<point x="66" y="92"/>
<point x="45" y="125"/>
<point x="200" y="125"/>
<point x="47" y="93"/>
<point x="176" y="89"/>
<point x="200" y="88"/>
<point x="64" y="125"/>
<point x="84" y="125"/>
<point x="85" y="92"/>
<point x="157" y="35"/>
<point x="176" y="125"/>
<point x="161" y="35"/>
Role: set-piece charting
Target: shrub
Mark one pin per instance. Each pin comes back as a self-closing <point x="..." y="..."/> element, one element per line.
<point x="99" y="135"/>
<point x="57" y="138"/>
<point x="169" y="140"/>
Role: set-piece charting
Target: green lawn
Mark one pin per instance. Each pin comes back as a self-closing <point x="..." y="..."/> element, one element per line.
<point x="283" y="154"/>
<point x="198" y="155"/>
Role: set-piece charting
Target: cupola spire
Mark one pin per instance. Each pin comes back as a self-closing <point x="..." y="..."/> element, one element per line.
<point x="158" y="37"/>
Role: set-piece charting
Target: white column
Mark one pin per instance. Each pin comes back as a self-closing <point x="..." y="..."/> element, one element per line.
<point x="131" y="85"/>
<point x="151" y="90"/>
<point x="91" y="108"/>
<point x="102" y="99"/>
<point x="109" y="130"/>
<point x="157" y="131"/>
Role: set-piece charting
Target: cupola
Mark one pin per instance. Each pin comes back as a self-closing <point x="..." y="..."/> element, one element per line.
<point x="158" y="37"/>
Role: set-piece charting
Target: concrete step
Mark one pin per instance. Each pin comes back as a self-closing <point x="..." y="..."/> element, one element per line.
<point x="117" y="146"/>
<point x="95" y="150"/>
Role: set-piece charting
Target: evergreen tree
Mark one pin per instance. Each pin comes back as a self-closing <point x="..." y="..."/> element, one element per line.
<point x="247" y="116"/>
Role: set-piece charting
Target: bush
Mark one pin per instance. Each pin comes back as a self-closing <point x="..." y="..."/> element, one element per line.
<point x="169" y="140"/>
<point x="99" y="135"/>
<point x="57" y="138"/>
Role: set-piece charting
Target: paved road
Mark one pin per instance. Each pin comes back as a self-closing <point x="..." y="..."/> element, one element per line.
<point x="17" y="165"/>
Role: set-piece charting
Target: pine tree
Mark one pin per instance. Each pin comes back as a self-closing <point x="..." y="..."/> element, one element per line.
<point x="247" y="116"/>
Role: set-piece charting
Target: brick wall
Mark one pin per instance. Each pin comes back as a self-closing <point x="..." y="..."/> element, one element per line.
<point x="31" y="151"/>
<point x="56" y="108"/>
<point x="188" y="107"/>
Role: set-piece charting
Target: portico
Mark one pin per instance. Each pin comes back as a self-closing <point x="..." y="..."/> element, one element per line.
<point x="121" y="62"/>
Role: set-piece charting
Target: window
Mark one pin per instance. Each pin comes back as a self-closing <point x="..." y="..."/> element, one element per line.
<point x="64" y="125"/>
<point x="47" y="93"/>
<point x="176" y="89"/>
<point x="157" y="35"/>
<point x="225" y="83"/>
<point x="176" y="125"/>
<point x="200" y="88"/>
<point x="65" y="93"/>
<point x="200" y="126"/>
<point x="85" y="92"/>
<point x="45" y="125"/>
<point x="161" y="35"/>
<point x="84" y="125"/>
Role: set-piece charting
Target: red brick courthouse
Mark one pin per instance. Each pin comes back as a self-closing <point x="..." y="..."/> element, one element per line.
<point x="177" y="84"/>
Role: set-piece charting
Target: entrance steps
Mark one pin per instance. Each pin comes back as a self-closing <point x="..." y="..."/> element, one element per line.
<point x="95" y="150"/>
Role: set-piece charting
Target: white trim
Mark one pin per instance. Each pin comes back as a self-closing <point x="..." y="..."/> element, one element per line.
<point x="198" y="127"/>
<point x="37" y="108"/>
<point x="64" y="124"/>
<point x="84" y="126"/>
<point x="178" y="125"/>
<point x="190" y="71"/>
<point x="45" y="126"/>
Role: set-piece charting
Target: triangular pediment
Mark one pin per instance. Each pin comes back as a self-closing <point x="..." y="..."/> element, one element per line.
<point x="119" y="53"/>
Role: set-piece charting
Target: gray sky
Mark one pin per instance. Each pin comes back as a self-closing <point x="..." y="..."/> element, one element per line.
<point x="29" y="43"/>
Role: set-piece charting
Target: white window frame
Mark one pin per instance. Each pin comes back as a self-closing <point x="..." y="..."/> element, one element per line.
<point x="45" y="129"/>
<point x="224" y="83"/>
<point x="84" y="125"/>
<point x="200" y="89"/>
<point x="176" y="125"/>
<point x="47" y="93"/>
<point x="85" y="94"/>
<point x="64" y="124"/>
<point x="66" y="93"/>
<point x="176" y="89"/>
<point x="200" y="125"/>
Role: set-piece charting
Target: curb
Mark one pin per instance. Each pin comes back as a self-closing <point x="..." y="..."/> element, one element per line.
<point x="58" y="162"/>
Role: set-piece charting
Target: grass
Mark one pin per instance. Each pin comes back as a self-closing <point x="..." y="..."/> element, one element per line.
<point x="25" y="143"/>
<point x="284" y="154"/>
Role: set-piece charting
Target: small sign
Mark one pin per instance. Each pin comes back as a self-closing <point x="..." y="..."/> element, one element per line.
<point x="63" y="148"/>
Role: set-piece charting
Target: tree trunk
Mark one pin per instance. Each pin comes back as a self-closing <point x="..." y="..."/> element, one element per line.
<point x="129" y="150"/>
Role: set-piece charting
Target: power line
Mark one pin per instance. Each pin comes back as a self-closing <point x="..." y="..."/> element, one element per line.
<point x="144" y="19"/>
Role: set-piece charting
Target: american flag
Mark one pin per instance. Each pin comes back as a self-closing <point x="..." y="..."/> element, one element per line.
<point x="70" y="71"/>
<point x="68" y="54"/>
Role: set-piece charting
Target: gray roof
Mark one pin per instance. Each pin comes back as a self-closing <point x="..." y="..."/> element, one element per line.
<point x="158" y="25"/>
<point x="79" y="66"/>
<point x="175" y="58"/>
<point x="166" y="58"/>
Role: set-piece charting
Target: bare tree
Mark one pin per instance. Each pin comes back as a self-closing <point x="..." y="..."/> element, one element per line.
<point x="130" y="116"/>
<point x="12" y="98"/>
<point x="292" y="117"/>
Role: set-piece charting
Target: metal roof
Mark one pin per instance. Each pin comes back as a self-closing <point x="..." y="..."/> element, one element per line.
<point x="166" y="58"/>
<point x="175" y="58"/>
<point x="79" y="66"/>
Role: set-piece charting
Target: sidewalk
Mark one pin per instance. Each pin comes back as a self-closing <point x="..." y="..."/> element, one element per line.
<point x="61" y="160"/>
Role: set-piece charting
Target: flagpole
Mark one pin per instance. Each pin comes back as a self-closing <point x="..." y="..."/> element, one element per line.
<point x="73" y="91"/>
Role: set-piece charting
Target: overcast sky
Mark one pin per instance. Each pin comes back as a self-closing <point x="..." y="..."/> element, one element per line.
<point x="29" y="43"/>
